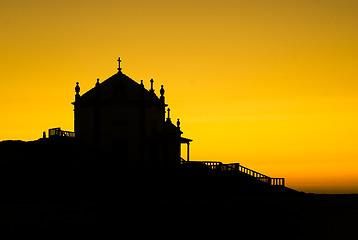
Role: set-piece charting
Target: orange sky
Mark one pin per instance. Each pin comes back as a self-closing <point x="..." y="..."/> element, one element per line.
<point x="269" y="84"/>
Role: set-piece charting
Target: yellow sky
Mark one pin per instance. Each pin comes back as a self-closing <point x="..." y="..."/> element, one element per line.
<point x="270" y="84"/>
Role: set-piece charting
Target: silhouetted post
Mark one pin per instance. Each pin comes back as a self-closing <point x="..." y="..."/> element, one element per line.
<point x="44" y="135"/>
<point x="168" y="118"/>
<point x="187" y="158"/>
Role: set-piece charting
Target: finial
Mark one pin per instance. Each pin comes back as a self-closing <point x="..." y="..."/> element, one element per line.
<point x="77" y="88"/>
<point x="141" y="82"/>
<point x="178" y="123"/>
<point x="162" y="91"/>
<point x="119" y="65"/>
<point x="151" y="85"/>
<point x="97" y="83"/>
<point x="162" y="98"/>
<point x="168" y="118"/>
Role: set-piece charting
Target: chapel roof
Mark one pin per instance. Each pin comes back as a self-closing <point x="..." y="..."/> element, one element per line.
<point x="119" y="85"/>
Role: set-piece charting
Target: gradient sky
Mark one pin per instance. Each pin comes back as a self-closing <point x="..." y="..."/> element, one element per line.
<point x="269" y="84"/>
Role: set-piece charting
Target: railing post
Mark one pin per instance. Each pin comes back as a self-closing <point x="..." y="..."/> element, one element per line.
<point x="188" y="152"/>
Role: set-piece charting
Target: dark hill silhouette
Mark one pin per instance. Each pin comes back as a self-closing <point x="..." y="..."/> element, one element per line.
<point x="54" y="169"/>
<point x="58" y="180"/>
<point x="58" y="186"/>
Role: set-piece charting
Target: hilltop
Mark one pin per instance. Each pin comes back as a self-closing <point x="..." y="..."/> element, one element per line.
<point x="62" y="168"/>
<point x="61" y="186"/>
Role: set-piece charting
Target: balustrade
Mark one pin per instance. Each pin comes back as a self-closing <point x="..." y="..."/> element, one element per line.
<point x="60" y="133"/>
<point x="236" y="167"/>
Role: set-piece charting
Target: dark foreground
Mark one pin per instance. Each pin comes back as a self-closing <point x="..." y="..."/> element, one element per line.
<point x="306" y="216"/>
<point x="61" y="188"/>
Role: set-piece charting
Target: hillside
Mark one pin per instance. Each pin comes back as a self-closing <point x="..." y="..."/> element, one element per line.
<point x="63" y="167"/>
<point x="60" y="186"/>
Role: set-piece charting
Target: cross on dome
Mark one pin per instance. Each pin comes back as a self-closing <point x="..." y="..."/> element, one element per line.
<point x="119" y="64"/>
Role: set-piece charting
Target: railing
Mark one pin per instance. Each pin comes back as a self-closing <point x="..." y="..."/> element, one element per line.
<point x="278" y="181"/>
<point x="213" y="165"/>
<point x="259" y="176"/>
<point x="59" y="133"/>
<point x="236" y="167"/>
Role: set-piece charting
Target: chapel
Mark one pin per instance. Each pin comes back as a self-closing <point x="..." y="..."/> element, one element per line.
<point x="121" y="117"/>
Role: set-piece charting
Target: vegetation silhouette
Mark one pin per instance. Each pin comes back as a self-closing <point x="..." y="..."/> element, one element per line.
<point x="122" y="169"/>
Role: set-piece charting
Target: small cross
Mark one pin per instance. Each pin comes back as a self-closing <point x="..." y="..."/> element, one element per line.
<point x="119" y="65"/>
<point x="151" y="85"/>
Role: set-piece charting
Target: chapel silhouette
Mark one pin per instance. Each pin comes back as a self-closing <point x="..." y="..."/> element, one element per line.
<point x="121" y="117"/>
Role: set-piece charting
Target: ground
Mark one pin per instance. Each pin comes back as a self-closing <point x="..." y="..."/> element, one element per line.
<point x="60" y="187"/>
<point x="307" y="216"/>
